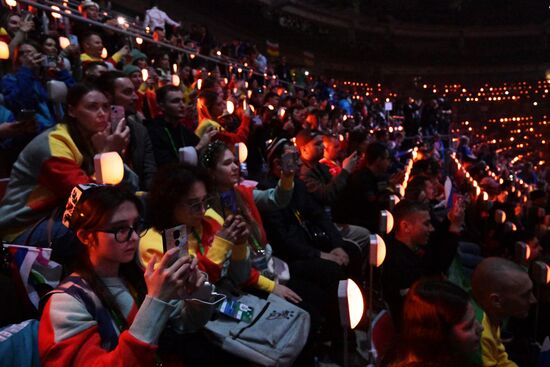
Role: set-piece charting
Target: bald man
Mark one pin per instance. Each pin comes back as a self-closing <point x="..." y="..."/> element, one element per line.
<point x="502" y="289"/>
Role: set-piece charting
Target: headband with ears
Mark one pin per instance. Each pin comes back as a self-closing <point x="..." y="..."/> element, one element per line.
<point x="78" y="194"/>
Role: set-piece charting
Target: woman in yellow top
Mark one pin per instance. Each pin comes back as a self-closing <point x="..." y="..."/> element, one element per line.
<point x="222" y="243"/>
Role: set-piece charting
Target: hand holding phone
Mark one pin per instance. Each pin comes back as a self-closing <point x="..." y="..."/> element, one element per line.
<point x="175" y="237"/>
<point x="117" y="114"/>
<point x="289" y="163"/>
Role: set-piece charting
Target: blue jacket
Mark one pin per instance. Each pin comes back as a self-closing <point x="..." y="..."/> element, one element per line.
<point x="24" y="90"/>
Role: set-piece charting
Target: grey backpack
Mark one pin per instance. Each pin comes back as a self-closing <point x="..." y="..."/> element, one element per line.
<point x="275" y="336"/>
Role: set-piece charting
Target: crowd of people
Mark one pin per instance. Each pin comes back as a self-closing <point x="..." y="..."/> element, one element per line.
<point x="290" y="219"/>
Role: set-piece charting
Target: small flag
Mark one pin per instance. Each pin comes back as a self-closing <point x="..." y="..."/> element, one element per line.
<point x="272" y="48"/>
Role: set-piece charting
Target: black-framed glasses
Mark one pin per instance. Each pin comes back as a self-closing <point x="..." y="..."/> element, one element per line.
<point x="123" y="233"/>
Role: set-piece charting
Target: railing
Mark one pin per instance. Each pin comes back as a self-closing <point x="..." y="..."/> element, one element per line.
<point x="68" y="12"/>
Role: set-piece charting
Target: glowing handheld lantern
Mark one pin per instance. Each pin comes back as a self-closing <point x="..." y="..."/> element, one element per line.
<point x="109" y="168"/>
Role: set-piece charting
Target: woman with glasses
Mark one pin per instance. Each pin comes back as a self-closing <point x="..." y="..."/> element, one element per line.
<point x="221" y="243"/>
<point x="108" y="312"/>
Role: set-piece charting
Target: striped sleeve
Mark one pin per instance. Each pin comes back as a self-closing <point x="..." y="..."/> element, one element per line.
<point x="62" y="170"/>
<point x="68" y="336"/>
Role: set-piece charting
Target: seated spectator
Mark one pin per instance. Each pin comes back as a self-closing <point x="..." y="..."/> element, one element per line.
<point x="332" y="155"/>
<point x="93" y="70"/>
<point x="139" y="155"/>
<point x="316" y="176"/>
<point x="52" y="164"/>
<point x="229" y="200"/>
<point x="324" y="187"/>
<point x="502" y="289"/>
<point x="420" y="189"/>
<point x="53" y="58"/>
<point x="26" y="88"/>
<point x="211" y="106"/>
<point x="89" y="10"/>
<point x="15" y="29"/>
<point x="108" y="311"/>
<point x="92" y="48"/>
<point x="167" y="133"/>
<point x="367" y="190"/>
<point x="303" y="232"/>
<point x="412" y="253"/>
<point x="439" y="328"/>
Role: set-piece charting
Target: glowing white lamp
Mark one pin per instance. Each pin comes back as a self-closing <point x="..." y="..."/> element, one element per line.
<point x="241" y="151"/>
<point x="109" y="168"/>
<point x="510" y="227"/>
<point x="104" y="53"/>
<point x="56" y="12"/>
<point x="377" y="250"/>
<point x="11" y="3"/>
<point x="64" y="42"/>
<point x="249" y="93"/>
<point x="144" y="74"/>
<point x="351" y="303"/>
<point x="139" y="40"/>
<point x="199" y="84"/>
<point x="500" y="216"/>
<point x="4" y="51"/>
<point x="522" y="252"/>
<point x="541" y="273"/>
<point x="229" y="107"/>
<point x="175" y="80"/>
<point x="386" y="221"/>
<point x="484" y="196"/>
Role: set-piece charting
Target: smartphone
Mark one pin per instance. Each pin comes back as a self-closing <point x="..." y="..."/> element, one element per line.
<point x="289" y="161"/>
<point x="175" y="237"/>
<point x="26" y="115"/>
<point x="117" y="114"/>
<point x="229" y="201"/>
<point x="236" y="310"/>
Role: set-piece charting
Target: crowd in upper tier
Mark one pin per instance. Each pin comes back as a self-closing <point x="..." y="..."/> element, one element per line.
<point x="466" y="233"/>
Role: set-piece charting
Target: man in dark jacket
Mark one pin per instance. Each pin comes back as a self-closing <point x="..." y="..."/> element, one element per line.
<point x="414" y="252"/>
<point x="167" y="133"/>
<point x="367" y="190"/>
<point x="139" y="155"/>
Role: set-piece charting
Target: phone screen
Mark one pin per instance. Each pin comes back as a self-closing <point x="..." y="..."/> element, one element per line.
<point x="289" y="161"/>
<point x="117" y="114"/>
<point x="229" y="201"/>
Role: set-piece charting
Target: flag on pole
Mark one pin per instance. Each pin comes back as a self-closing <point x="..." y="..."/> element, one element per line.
<point x="272" y="48"/>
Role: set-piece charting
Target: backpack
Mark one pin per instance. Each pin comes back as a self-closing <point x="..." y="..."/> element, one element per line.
<point x="274" y="337"/>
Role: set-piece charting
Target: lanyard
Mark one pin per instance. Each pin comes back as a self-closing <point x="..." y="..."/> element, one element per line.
<point x="172" y="143"/>
<point x="199" y="241"/>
